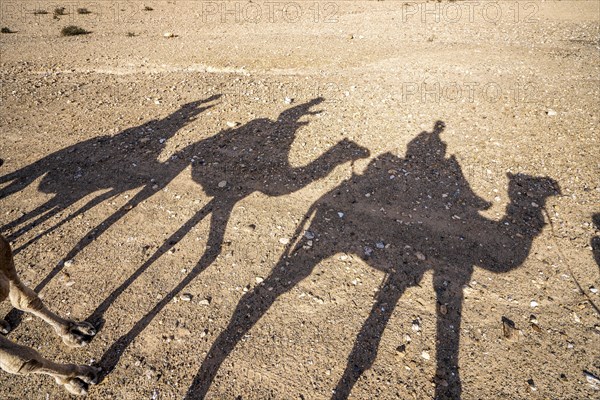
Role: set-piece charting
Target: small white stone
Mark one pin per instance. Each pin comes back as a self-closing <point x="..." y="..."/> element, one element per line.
<point x="222" y="184"/>
<point x="416" y="325"/>
<point x="551" y="112"/>
<point x="259" y="279"/>
<point x="232" y="124"/>
<point x="425" y="355"/>
<point x="186" y="297"/>
<point x="284" y="240"/>
<point x="309" y="235"/>
<point x="533" y="304"/>
<point x="420" y="256"/>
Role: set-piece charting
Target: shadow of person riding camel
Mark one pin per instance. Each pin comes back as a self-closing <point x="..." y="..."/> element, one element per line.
<point x="113" y="164"/>
<point x="404" y="217"/>
<point x="110" y="165"/>
<point x="230" y="166"/>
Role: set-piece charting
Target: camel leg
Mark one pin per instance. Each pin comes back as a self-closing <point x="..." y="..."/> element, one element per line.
<point x="23" y="298"/>
<point x="4" y="290"/>
<point x="22" y="360"/>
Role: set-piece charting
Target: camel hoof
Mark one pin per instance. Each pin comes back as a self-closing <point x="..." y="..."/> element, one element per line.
<point x="4" y="327"/>
<point x="90" y="375"/>
<point x="79" y="334"/>
<point x="77" y="387"/>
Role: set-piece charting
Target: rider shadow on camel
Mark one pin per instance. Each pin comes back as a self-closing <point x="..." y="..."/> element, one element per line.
<point x="101" y="168"/>
<point x="403" y="216"/>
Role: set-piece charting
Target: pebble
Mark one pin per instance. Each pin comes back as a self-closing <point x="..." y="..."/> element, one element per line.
<point x="420" y="256"/>
<point x="68" y="263"/>
<point x="340" y="214"/>
<point x="443" y="309"/>
<point x="222" y="184"/>
<point x="204" y="302"/>
<point x="186" y="297"/>
<point x="380" y="245"/>
<point x="288" y="100"/>
<point x="259" y="279"/>
<point x="368" y="251"/>
<point x="509" y="330"/>
<point x="551" y="112"/>
<point x="593" y="289"/>
<point x="169" y="35"/>
<point x="425" y="355"/>
<point x="416" y="325"/>
<point x="592" y="379"/>
<point x="309" y="235"/>
<point x="232" y="124"/>
<point x="533" y="304"/>
<point x="69" y="283"/>
<point x="401" y="350"/>
<point x="531" y="385"/>
<point x="284" y="240"/>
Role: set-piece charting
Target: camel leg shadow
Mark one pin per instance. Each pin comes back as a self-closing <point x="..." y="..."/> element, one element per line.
<point x="251" y="307"/>
<point x="365" y="348"/>
<point x="219" y="217"/>
<point x="14" y="316"/>
<point x="85" y="208"/>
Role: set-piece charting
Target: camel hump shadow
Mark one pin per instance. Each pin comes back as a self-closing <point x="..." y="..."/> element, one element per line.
<point x="402" y="216"/>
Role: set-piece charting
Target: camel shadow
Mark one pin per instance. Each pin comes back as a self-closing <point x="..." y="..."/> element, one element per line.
<point x="230" y="166"/>
<point x="108" y="165"/>
<point x="404" y="217"/>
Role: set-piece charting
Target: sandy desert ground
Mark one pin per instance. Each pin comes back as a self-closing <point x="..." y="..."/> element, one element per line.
<point x="307" y="199"/>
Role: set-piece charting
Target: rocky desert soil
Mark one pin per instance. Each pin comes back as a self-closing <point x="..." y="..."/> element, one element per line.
<point x="307" y="199"/>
